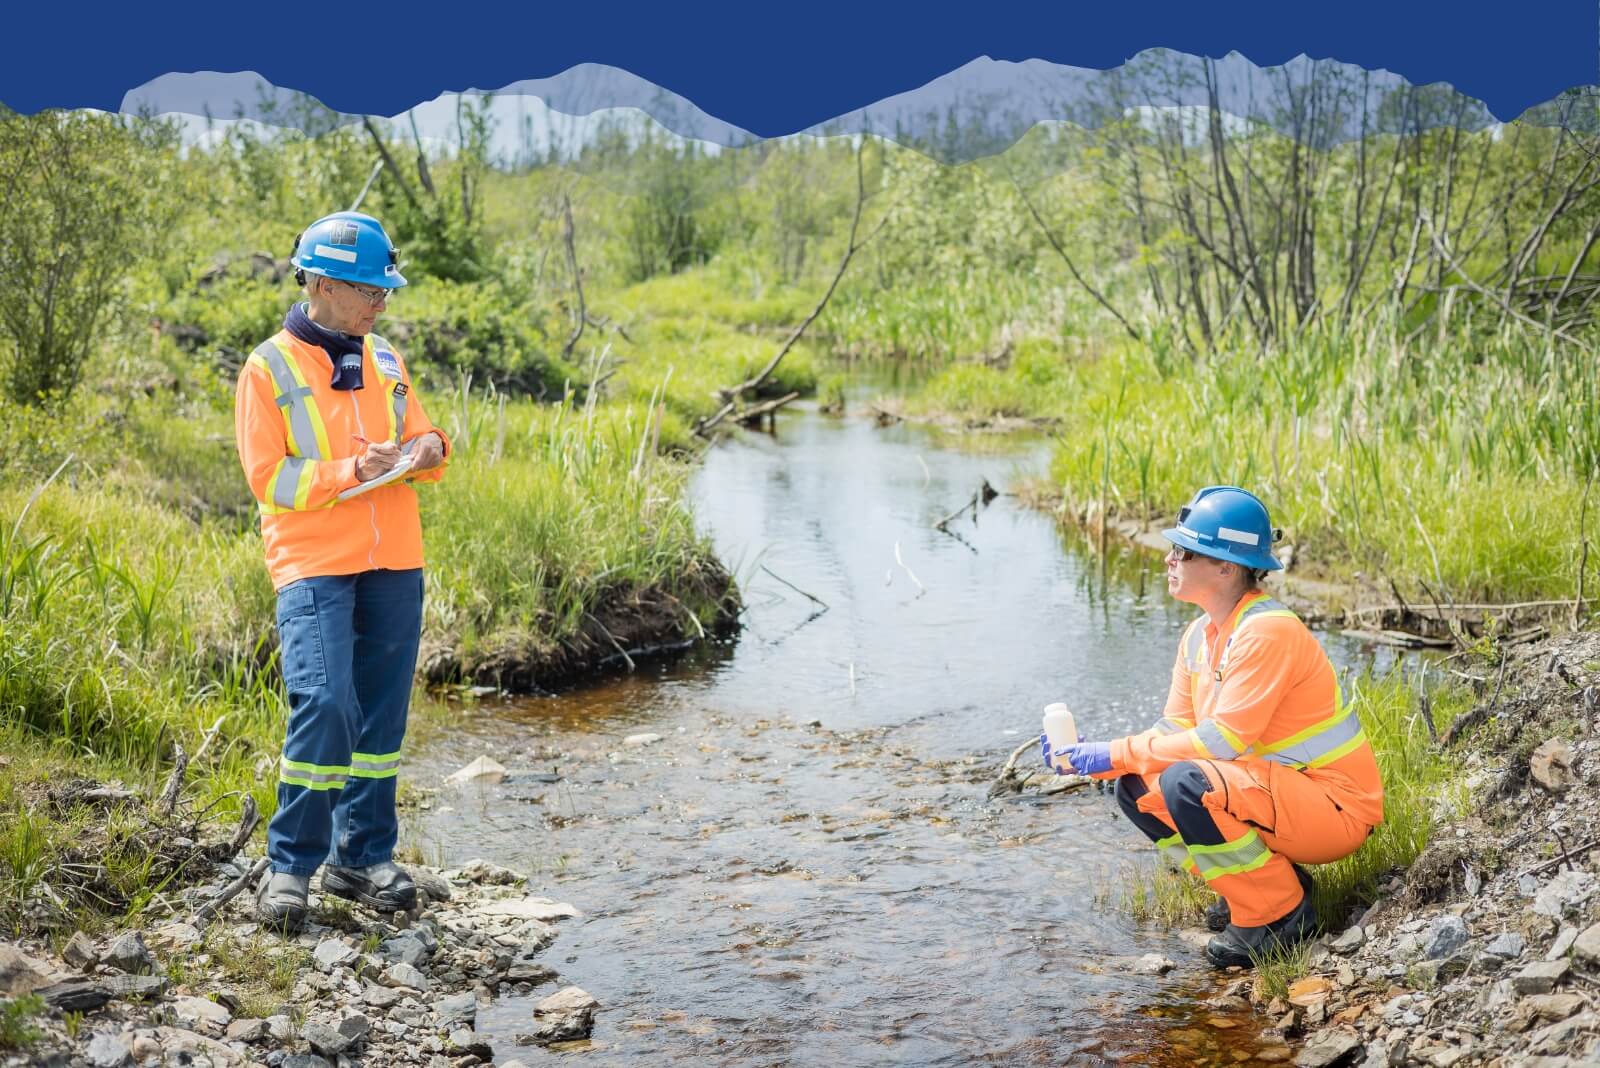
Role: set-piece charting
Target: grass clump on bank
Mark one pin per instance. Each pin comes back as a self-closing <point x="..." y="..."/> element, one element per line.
<point x="1460" y="475"/>
<point x="1419" y="791"/>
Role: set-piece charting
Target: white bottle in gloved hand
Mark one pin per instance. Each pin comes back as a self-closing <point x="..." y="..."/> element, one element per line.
<point x="1059" y="728"/>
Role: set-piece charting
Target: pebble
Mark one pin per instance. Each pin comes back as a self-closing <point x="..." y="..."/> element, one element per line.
<point x="636" y="741"/>
<point x="458" y="1008"/>
<point x="1587" y="945"/>
<point x="405" y="975"/>
<point x="327" y="1041"/>
<point x="1349" y="941"/>
<point x="1540" y="977"/>
<point x="331" y="953"/>
<point x="1506" y="946"/>
<point x="1153" y="964"/>
<point x="128" y="953"/>
<point x="1563" y="943"/>
<point x="79" y="951"/>
<point x="1563" y="894"/>
<point x="1327" y="1048"/>
<point x="107" y="1050"/>
<point x="246" y="1031"/>
<point x="200" y="1013"/>
<point x="1445" y="935"/>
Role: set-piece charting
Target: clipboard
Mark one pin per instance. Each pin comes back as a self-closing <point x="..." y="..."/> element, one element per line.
<point x="399" y="470"/>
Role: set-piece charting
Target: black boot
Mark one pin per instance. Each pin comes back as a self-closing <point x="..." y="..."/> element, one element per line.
<point x="1217" y="915"/>
<point x="385" y="887"/>
<point x="281" y="902"/>
<point x="1244" y="946"/>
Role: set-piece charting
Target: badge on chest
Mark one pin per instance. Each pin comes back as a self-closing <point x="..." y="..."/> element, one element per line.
<point x="388" y="363"/>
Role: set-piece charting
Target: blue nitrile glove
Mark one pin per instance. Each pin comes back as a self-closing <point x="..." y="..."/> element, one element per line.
<point x="1085" y="758"/>
<point x="1044" y="750"/>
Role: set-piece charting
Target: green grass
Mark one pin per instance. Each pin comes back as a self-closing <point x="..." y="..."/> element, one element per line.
<point x="1460" y="468"/>
<point x="17" y="1030"/>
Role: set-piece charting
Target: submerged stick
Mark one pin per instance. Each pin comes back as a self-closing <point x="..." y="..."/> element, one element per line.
<point x="797" y="589"/>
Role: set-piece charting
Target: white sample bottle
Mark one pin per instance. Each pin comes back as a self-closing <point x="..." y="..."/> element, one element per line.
<point x="1059" y="728"/>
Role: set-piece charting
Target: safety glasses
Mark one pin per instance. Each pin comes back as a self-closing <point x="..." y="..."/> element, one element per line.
<point x="375" y="296"/>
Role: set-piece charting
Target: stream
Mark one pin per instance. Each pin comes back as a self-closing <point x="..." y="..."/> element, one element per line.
<point x="804" y="868"/>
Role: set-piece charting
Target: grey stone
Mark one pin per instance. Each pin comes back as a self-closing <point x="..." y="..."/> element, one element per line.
<point x="135" y="987"/>
<point x="1153" y="964"/>
<point x="332" y="953"/>
<point x="246" y="1031"/>
<point x="1564" y="894"/>
<point x="1349" y="941"/>
<point x="79" y="951"/>
<point x="379" y="997"/>
<point x="490" y="874"/>
<point x="1508" y="945"/>
<point x="566" y="1000"/>
<point x="405" y="948"/>
<point x="457" y="1008"/>
<point x="436" y="886"/>
<point x="405" y="975"/>
<point x="1559" y="1037"/>
<point x="200" y="1014"/>
<point x="325" y="1040"/>
<point x="1587" y="945"/>
<point x="354" y="1026"/>
<point x="281" y="1028"/>
<point x="524" y="970"/>
<point x="20" y="973"/>
<point x="1562" y="944"/>
<point x="129" y="954"/>
<point x="1540" y="977"/>
<point x="107" y="1050"/>
<point x="1445" y="935"/>
<point x="303" y="1060"/>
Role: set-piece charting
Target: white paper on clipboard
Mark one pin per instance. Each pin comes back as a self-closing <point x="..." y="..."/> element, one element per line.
<point x="399" y="470"/>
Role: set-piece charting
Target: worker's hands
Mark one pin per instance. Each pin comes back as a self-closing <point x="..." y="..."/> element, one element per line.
<point x="376" y="458"/>
<point x="428" y="451"/>
<point x="1085" y="758"/>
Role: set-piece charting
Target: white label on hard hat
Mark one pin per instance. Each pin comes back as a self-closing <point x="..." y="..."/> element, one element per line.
<point x="334" y="253"/>
<point x="1185" y="530"/>
<point x="1243" y="537"/>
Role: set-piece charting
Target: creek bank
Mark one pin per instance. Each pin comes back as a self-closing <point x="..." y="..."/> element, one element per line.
<point x="1486" y="951"/>
<point x="351" y="988"/>
<point x="627" y="627"/>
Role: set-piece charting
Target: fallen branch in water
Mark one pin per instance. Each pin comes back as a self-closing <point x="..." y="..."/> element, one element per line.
<point x="980" y="496"/>
<point x="797" y="589"/>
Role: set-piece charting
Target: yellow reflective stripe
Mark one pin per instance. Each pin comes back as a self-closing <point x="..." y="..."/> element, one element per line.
<point x="374" y="766"/>
<point x="318" y="428"/>
<point x="315" y="769"/>
<point x="1230" y="858"/>
<point x="1173" y="849"/>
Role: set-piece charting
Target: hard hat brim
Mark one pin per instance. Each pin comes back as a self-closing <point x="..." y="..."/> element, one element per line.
<point x="1260" y="560"/>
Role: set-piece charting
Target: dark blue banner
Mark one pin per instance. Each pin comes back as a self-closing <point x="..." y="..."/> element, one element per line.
<point x="767" y="69"/>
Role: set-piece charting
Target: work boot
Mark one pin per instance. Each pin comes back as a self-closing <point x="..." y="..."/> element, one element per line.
<point x="1245" y="946"/>
<point x="281" y="901"/>
<point x="385" y="887"/>
<point x="1218" y="917"/>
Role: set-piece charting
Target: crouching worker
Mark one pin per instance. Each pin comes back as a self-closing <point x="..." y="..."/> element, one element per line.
<point x="1257" y="766"/>
<point x="323" y="406"/>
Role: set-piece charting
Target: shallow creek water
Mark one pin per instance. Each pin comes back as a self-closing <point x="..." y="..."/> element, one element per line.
<point x="805" y="870"/>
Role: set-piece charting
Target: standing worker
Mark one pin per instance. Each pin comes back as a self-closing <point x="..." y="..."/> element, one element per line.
<point x="323" y="406"/>
<point x="1257" y="765"/>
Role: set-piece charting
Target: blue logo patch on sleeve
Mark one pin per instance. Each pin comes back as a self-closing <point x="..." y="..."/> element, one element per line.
<point x="388" y="363"/>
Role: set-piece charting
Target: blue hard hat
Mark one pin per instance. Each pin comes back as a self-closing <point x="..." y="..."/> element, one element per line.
<point x="1227" y="523"/>
<point x="351" y="247"/>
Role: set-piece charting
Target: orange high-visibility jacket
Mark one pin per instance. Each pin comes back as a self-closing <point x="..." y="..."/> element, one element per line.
<point x="298" y="443"/>
<point x="1272" y="695"/>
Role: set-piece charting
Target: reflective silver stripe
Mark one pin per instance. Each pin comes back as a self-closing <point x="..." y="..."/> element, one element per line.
<point x="399" y="412"/>
<point x="287" y="485"/>
<point x="1240" y="856"/>
<point x="1169" y="726"/>
<point x="1269" y="605"/>
<point x="293" y="396"/>
<point x="287" y="772"/>
<point x="1194" y="643"/>
<point x="1310" y="751"/>
<point x="1210" y="735"/>
<point x="359" y="766"/>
